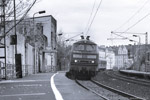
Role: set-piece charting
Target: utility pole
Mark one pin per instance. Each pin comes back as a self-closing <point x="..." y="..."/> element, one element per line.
<point x="146" y="42"/>
<point x="15" y="26"/>
<point x="2" y="5"/>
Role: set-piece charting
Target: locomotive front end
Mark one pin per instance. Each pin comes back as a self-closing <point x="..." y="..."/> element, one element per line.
<point x="84" y="58"/>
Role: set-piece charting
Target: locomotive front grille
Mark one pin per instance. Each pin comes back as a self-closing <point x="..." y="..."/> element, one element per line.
<point x="83" y="61"/>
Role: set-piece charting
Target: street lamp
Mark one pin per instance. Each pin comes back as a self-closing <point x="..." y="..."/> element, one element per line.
<point x="138" y="47"/>
<point x="39" y="12"/>
<point x="138" y="37"/>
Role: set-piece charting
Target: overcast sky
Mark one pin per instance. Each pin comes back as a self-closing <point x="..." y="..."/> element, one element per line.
<point x="72" y="17"/>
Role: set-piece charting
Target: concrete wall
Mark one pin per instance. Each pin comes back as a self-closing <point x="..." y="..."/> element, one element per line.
<point x="49" y="30"/>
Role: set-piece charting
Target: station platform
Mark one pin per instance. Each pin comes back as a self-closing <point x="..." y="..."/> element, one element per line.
<point x="70" y="90"/>
<point x="135" y="73"/>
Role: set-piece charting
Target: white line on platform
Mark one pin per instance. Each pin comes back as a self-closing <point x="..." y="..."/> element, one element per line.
<point x="22" y="81"/>
<point x="57" y="94"/>
<point x="23" y="94"/>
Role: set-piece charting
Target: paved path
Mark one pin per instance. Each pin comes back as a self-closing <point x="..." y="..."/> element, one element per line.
<point x="72" y="91"/>
<point x="43" y="86"/>
<point x="34" y="87"/>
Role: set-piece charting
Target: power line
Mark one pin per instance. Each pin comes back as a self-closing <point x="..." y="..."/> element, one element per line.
<point x="90" y="15"/>
<point x="73" y="36"/>
<point x="22" y="17"/>
<point x="133" y="15"/>
<point x="137" y="22"/>
<point x="94" y="16"/>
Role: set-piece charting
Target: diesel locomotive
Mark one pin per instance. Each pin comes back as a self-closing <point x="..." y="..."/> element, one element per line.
<point x="84" y="58"/>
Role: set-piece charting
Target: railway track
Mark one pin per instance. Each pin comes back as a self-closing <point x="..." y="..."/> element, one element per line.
<point x="128" y="79"/>
<point x="106" y="92"/>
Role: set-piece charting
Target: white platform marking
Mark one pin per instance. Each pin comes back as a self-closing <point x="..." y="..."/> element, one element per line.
<point x="55" y="90"/>
<point x="23" y="94"/>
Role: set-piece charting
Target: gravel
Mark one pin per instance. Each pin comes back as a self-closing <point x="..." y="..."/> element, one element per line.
<point x="131" y="88"/>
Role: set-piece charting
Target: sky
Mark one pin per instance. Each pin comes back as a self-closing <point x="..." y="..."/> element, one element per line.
<point x="113" y="15"/>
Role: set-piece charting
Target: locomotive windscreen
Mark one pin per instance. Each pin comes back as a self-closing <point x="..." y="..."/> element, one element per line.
<point x="86" y="47"/>
<point x="79" y="47"/>
<point x="90" y="47"/>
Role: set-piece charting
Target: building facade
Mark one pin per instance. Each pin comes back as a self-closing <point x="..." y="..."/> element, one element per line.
<point x="106" y="57"/>
<point x="36" y="43"/>
<point x="49" y="54"/>
<point x="121" y="57"/>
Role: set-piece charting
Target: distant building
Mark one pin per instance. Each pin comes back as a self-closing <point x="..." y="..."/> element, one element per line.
<point x="122" y="59"/>
<point x="106" y="57"/>
<point x="110" y="58"/>
<point x="102" y="57"/>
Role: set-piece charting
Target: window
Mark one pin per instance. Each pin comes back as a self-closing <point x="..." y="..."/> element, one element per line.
<point x="79" y="47"/>
<point x="90" y="47"/>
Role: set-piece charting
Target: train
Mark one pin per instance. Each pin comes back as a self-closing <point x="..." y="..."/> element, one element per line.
<point x="84" y="58"/>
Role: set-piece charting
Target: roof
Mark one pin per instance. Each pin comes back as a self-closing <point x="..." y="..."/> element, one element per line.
<point x="84" y="42"/>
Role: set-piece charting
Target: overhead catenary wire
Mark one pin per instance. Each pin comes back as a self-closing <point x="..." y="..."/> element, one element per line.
<point x="90" y="16"/>
<point x="133" y="15"/>
<point x="94" y="17"/>
<point x="137" y="22"/>
<point x="74" y="36"/>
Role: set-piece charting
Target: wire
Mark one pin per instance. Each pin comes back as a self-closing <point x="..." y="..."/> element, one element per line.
<point x="90" y="16"/>
<point x="94" y="16"/>
<point x="137" y="22"/>
<point x="22" y="17"/>
<point x="74" y="36"/>
<point x="133" y="15"/>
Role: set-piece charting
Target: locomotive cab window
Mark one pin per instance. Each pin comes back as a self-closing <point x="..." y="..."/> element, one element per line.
<point x="91" y="47"/>
<point x="78" y="47"/>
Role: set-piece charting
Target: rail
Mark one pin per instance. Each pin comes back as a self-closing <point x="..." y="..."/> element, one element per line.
<point x="106" y="92"/>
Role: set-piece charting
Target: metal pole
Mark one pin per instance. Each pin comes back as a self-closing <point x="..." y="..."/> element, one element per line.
<point x="40" y="12"/>
<point x="146" y="42"/>
<point x="15" y="26"/>
<point x="3" y="3"/>
<point x="34" y="45"/>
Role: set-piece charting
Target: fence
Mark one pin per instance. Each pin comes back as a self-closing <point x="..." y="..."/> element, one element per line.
<point x="11" y="70"/>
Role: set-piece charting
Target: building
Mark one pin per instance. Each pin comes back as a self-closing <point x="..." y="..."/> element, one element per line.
<point x="110" y="58"/>
<point x="106" y="57"/>
<point x="36" y="43"/>
<point x="102" y="57"/>
<point x="122" y="60"/>
<point x="49" y="28"/>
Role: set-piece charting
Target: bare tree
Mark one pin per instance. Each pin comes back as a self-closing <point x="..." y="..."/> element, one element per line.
<point x="22" y="9"/>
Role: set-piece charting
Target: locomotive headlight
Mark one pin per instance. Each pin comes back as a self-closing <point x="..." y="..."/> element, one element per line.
<point x="75" y="61"/>
<point x="92" y="61"/>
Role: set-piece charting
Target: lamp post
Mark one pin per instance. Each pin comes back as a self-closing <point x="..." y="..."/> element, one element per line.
<point x="39" y="12"/>
<point x="138" y="37"/>
<point x="139" y="43"/>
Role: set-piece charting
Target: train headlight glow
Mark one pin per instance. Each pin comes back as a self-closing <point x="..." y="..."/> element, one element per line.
<point x="92" y="61"/>
<point x="75" y="61"/>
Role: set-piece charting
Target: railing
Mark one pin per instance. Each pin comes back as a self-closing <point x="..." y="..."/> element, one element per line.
<point x="2" y="70"/>
<point x="11" y="70"/>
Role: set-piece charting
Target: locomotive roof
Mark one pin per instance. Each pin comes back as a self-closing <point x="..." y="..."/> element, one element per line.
<point x="85" y="42"/>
